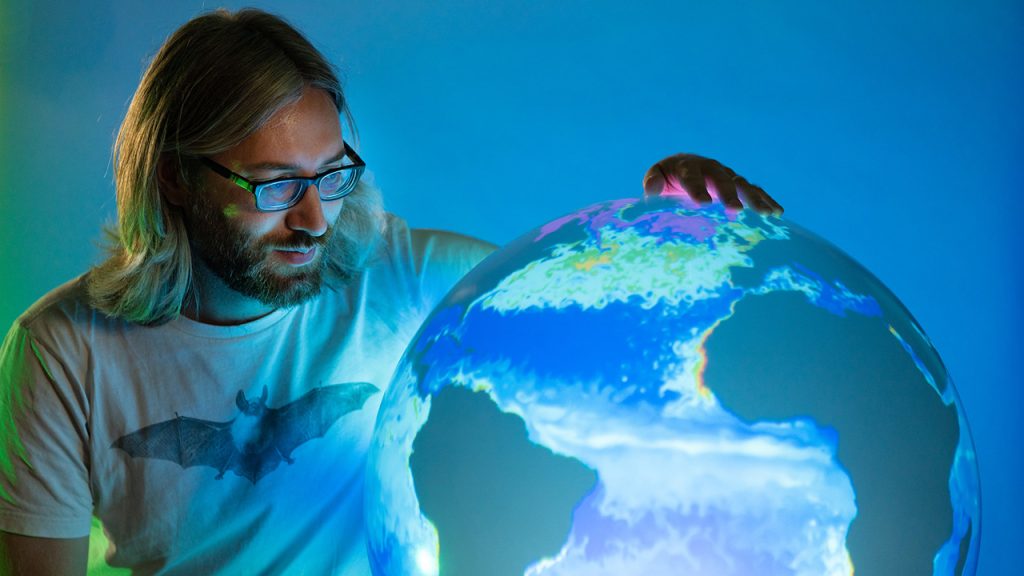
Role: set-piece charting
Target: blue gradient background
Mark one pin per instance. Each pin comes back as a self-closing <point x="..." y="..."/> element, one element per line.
<point x="893" y="129"/>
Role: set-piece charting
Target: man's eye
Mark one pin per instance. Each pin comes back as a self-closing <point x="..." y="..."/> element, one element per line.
<point x="280" y="191"/>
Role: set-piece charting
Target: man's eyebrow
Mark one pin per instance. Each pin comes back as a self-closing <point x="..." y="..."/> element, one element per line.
<point x="271" y="166"/>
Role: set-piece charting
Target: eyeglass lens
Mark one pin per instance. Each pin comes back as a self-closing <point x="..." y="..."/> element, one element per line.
<point x="331" y="186"/>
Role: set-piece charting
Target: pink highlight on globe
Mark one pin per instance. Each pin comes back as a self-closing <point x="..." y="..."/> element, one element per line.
<point x="695" y="225"/>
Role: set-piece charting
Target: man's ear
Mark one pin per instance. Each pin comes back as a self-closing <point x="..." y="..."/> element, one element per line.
<point x="168" y="179"/>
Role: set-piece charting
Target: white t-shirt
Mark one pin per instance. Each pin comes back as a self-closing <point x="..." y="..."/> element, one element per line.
<point x="213" y="449"/>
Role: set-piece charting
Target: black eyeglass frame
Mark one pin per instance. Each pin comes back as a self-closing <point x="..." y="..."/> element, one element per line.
<point x="255" y="187"/>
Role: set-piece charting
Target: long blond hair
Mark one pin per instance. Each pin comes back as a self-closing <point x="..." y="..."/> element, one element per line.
<point x="214" y="82"/>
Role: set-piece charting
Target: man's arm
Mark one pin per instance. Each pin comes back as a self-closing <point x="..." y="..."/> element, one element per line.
<point x="32" y="556"/>
<point x="41" y="490"/>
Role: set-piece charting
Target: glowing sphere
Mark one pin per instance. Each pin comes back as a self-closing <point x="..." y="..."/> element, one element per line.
<point x="645" y="388"/>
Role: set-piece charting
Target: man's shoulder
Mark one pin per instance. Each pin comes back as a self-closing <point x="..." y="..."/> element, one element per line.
<point x="421" y="265"/>
<point x="428" y="243"/>
<point x="63" y="310"/>
<point x="68" y="299"/>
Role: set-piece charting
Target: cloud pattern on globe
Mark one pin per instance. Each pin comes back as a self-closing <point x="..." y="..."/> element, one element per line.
<point x="644" y="387"/>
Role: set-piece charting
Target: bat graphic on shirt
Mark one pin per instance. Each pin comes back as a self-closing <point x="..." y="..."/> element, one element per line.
<point x="255" y="442"/>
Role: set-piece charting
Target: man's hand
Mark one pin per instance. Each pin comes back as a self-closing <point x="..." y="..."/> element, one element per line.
<point x="702" y="179"/>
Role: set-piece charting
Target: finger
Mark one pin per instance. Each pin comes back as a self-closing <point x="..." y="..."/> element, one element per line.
<point x="752" y="199"/>
<point x="691" y="178"/>
<point x="777" y="208"/>
<point x="773" y="207"/>
<point x="725" y="188"/>
<point x="654" y="181"/>
<point x="758" y="199"/>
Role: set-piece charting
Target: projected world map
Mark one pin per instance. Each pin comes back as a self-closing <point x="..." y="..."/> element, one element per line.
<point x="642" y="387"/>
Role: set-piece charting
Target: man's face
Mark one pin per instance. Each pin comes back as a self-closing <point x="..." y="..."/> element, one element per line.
<point x="277" y="258"/>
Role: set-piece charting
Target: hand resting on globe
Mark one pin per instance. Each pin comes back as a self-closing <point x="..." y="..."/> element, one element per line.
<point x="702" y="180"/>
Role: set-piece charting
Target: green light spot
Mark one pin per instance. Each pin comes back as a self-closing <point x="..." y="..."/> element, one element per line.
<point x="98" y="544"/>
<point x="231" y="210"/>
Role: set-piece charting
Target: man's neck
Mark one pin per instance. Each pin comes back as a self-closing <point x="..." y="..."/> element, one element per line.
<point x="216" y="303"/>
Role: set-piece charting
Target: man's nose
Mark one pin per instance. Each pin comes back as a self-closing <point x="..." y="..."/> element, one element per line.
<point x="308" y="214"/>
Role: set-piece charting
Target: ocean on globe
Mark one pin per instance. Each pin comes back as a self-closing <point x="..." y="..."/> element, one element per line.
<point x="644" y="387"/>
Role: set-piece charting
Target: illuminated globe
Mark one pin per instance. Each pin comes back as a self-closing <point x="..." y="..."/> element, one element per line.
<point x="642" y="388"/>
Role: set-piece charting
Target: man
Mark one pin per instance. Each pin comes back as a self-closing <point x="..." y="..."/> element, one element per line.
<point x="209" y="390"/>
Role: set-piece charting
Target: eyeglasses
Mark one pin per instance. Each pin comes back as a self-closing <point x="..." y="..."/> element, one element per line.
<point x="284" y="193"/>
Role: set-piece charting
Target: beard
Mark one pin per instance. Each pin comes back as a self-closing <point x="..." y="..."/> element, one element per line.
<point x="243" y="262"/>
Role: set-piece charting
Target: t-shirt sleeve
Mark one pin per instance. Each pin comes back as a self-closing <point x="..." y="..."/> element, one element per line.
<point x="442" y="259"/>
<point x="44" y="480"/>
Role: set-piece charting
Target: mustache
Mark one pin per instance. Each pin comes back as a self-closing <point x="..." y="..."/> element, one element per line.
<point x="298" y="241"/>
